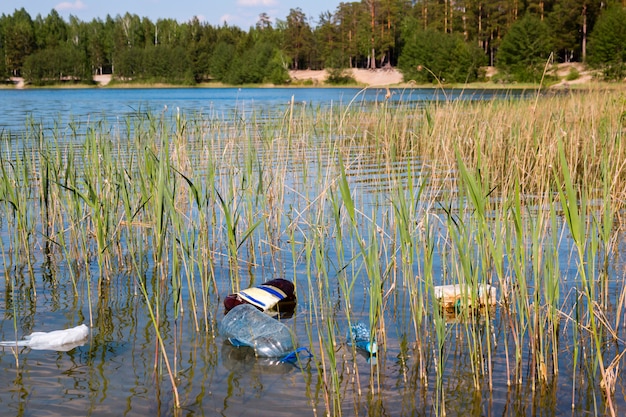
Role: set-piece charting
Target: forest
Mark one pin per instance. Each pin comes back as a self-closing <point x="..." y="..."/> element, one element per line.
<point x="428" y="40"/>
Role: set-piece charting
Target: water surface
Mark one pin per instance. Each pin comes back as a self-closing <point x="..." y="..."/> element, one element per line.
<point x="120" y="371"/>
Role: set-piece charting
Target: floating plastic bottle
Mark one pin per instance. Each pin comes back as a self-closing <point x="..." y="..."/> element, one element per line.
<point x="245" y="325"/>
<point x="359" y="336"/>
<point x="275" y="297"/>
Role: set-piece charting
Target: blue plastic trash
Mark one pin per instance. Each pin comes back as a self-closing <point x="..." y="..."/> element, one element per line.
<point x="359" y="336"/>
<point x="245" y="325"/>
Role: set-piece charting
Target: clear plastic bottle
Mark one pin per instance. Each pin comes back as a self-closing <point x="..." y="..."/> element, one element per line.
<point x="245" y="325"/>
<point x="359" y="335"/>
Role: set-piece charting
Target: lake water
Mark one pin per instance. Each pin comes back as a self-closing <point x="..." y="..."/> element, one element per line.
<point x="120" y="370"/>
<point x="64" y="106"/>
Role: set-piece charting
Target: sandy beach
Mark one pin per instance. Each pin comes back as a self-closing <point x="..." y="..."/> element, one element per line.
<point x="369" y="77"/>
<point x="377" y="77"/>
<point x="384" y="77"/>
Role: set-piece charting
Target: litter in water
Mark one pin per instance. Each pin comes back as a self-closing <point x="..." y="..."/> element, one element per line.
<point x="457" y="295"/>
<point x="59" y="340"/>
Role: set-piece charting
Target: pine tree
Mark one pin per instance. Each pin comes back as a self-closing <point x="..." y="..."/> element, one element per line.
<point x="525" y="49"/>
<point x="607" y="43"/>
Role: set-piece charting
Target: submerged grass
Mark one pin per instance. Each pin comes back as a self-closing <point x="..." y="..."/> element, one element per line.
<point x="367" y="207"/>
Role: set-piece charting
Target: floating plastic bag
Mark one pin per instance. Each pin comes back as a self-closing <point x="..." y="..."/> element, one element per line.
<point x="245" y="325"/>
<point x="59" y="340"/>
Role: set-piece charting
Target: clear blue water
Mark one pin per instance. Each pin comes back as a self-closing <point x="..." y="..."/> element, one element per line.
<point x="49" y="106"/>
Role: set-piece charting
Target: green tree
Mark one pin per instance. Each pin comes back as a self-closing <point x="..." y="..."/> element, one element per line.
<point x="431" y="56"/>
<point x="525" y="49"/>
<point x="129" y="32"/>
<point x="492" y="20"/>
<point x="165" y="64"/>
<point x="199" y="42"/>
<point x="277" y="70"/>
<point x="4" y="73"/>
<point x="390" y="18"/>
<point x="607" y="43"/>
<point x="328" y="41"/>
<point x="221" y="60"/>
<point x="78" y="40"/>
<point x="264" y="22"/>
<point x="53" y="65"/>
<point x="101" y="45"/>
<point x="167" y="32"/>
<point x="565" y="24"/>
<point x="369" y="36"/>
<point x="569" y="22"/>
<point x="129" y="63"/>
<point x="298" y="39"/>
<point x="347" y="15"/>
<point x="51" y="31"/>
<point x="19" y="40"/>
<point x="149" y="32"/>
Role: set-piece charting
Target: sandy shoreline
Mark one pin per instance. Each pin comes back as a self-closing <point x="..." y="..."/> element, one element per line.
<point x="377" y="77"/>
<point x="386" y="77"/>
<point x="369" y="77"/>
<point x="380" y="77"/>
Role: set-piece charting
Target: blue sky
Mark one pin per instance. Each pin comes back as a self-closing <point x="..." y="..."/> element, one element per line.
<point x="242" y="13"/>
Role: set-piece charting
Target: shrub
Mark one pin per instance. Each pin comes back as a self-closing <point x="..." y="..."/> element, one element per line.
<point x="338" y="76"/>
<point x="432" y="56"/>
<point x="572" y="75"/>
<point x="525" y="49"/>
<point x="607" y="43"/>
<point x="54" y="65"/>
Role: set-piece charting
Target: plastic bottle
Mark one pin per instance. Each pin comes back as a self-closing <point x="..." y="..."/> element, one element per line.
<point x="245" y="325"/>
<point x="275" y="297"/>
<point x="359" y="335"/>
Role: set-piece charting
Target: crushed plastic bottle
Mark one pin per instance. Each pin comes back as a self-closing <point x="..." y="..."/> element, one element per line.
<point x="359" y="336"/>
<point x="245" y="325"/>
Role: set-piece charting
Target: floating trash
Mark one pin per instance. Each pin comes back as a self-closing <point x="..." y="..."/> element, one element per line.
<point x="59" y="340"/>
<point x="276" y="298"/>
<point x="359" y="335"/>
<point x="456" y="295"/>
<point x="245" y="325"/>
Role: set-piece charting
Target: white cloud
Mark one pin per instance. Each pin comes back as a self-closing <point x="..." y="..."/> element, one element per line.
<point x="66" y="5"/>
<point x="256" y="3"/>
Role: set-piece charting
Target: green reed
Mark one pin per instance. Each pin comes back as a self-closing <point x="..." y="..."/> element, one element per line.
<point x="470" y="240"/>
<point x="405" y="203"/>
<point x="15" y="191"/>
<point x="575" y="209"/>
<point x="364" y="208"/>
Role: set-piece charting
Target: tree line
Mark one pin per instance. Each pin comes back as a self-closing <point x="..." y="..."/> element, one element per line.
<point x="428" y="40"/>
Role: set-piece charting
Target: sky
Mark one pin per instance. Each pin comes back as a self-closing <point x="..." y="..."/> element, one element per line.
<point x="242" y="13"/>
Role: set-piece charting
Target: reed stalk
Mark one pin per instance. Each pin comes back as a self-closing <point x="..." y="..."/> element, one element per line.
<point x="366" y="208"/>
<point x="575" y="209"/>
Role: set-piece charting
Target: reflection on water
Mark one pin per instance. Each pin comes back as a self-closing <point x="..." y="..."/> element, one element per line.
<point x="120" y="370"/>
<point x="241" y="361"/>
